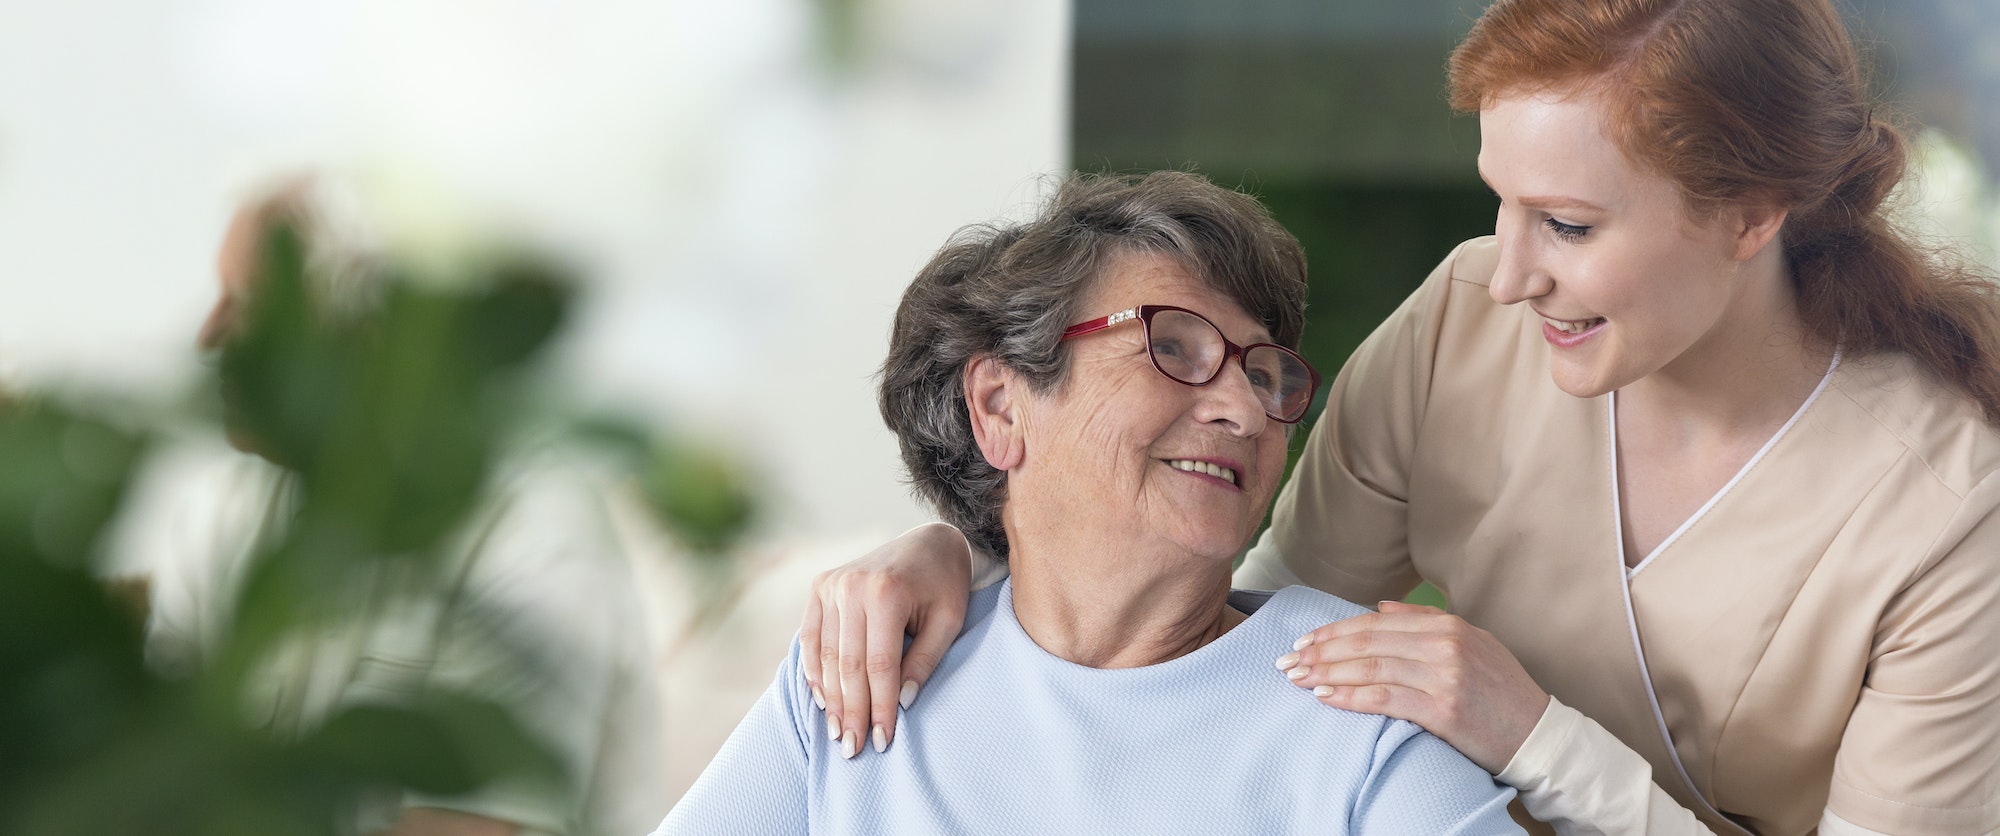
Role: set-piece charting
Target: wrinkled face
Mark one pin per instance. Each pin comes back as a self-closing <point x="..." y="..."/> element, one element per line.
<point x="1181" y="469"/>
<point x="1626" y="282"/>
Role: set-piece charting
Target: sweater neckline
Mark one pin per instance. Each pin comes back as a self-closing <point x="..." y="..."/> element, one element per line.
<point x="1243" y="638"/>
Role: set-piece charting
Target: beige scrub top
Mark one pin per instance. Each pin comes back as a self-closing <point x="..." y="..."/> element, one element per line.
<point x="1825" y="636"/>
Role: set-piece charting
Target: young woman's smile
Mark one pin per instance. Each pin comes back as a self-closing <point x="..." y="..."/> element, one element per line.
<point x="1626" y="283"/>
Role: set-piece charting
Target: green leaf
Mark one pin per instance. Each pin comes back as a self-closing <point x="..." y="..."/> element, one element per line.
<point x="63" y="478"/>
<point x="702" y="495"/>
<point x="514" y="316"/>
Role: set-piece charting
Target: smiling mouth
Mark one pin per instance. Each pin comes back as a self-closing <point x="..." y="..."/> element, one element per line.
<point x="1209" y="468"/>
<point x="1573" y="326"/>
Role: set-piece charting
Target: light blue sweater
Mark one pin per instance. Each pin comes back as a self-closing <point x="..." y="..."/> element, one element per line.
<point x="1007" y="738"/>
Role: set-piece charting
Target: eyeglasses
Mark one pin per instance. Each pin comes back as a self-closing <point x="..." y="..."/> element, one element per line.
<point x="1189" y="349"/>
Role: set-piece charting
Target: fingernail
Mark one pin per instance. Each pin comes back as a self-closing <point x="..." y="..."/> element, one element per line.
<point x="849" y="745"/>
<point x="909" y="694"/>
<point x="881" y="740"/>
<point x="1380" y="604"/>
<point x="832" y="728"/>
<point x="819" y="699"/>
<point x="1286" y="661"/>
<point x="1323" y="691"/>
<point x="1297" y="673"/>
<point x="1302" y="642"/>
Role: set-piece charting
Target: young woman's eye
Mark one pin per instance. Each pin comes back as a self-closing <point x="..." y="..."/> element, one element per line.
<point x="1567" y="232"/>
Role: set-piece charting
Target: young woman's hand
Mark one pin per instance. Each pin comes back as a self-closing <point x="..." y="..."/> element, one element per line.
<point x="1423" y="665"/>
<point x="856" y="617"/>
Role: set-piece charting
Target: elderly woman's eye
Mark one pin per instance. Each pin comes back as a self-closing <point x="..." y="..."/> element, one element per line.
<point x="1168" y="347"/>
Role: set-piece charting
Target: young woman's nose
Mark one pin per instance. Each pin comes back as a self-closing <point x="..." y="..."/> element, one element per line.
<point x="1519" y="275"/>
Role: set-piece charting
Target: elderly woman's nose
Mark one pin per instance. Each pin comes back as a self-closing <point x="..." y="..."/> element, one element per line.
<point x="1230" y="401"/>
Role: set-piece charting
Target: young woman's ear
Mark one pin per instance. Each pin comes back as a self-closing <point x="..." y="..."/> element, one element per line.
<point x="1757" y="226"/>
<point x="991" y="403"/>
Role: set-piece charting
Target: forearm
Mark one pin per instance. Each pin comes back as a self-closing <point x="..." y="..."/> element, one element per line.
<point x="1578" y="777"/>
<point x="1581" y="810"/>
<point x="987" y="570"/>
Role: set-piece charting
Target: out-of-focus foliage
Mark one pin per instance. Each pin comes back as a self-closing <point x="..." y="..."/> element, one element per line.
<point x="62" y="481"/>
<point x="390" y="421"/>
<point x="702" y="495"/>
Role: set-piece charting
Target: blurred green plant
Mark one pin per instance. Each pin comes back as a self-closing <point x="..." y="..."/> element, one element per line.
<point x="390" y="421"/>
<point x="701" y="495"/>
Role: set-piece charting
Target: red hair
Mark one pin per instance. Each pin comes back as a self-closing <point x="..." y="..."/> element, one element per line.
<point x="1759" y="101"/>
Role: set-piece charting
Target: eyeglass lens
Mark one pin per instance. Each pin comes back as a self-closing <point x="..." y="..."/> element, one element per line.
<point x="1189" y="349"/>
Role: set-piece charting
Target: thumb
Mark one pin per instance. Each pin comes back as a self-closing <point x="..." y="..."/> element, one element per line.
<point x="926" y="650"/>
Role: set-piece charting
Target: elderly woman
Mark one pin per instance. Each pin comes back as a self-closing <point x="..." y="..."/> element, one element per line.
<point x="1102" y="397"/>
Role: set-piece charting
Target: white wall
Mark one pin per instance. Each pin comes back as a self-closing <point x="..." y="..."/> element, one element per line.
<point x="110" y="194"/>
<point x="750" y="213"/>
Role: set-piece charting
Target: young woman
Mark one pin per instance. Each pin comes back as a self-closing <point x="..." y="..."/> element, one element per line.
<point x="1704" y="452"/>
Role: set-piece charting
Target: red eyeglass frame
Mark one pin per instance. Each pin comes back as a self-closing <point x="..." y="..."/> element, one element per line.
<point x="1144" y="313"/>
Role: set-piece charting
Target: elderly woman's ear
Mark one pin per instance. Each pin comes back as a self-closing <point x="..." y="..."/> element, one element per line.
<point x="991" y="404"/>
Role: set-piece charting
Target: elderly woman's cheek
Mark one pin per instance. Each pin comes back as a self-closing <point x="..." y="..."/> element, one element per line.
<point x="1271" y="449"/>
<point x="1119" y="420"/>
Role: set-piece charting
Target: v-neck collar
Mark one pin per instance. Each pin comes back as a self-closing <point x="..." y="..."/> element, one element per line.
<point x="1617" y="501"/>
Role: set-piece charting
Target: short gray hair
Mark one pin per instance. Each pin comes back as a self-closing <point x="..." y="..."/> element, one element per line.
<point x="1009" y="291"/>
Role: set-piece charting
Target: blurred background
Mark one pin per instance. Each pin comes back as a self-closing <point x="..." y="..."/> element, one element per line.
<point x="745" y="188"/>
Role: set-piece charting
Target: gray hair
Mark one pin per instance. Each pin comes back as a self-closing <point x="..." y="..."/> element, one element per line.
<point x="1008" y="291"/>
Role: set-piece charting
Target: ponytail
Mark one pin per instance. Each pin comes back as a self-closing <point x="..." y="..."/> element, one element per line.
<point x="1866" y="285"/>
<point x="1741" y="101"/>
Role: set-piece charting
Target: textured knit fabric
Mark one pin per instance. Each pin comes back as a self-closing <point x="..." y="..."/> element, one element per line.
<point x="1007" y="738"/>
